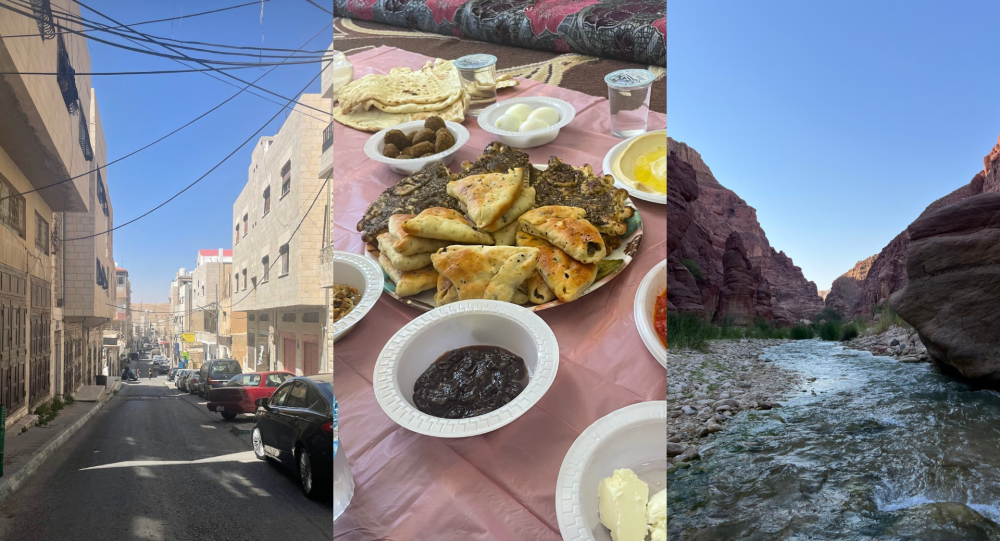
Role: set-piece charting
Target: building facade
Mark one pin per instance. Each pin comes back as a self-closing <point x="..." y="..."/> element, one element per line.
<point x="207" y="281"/>
<point x="180" y="315"/>
<point x="123" y="308"/>
<point x="278" y="224"/>
<point x="52" y="310"/>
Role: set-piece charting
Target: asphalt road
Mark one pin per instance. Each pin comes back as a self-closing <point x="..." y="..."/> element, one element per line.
<point x="134" y="494"/>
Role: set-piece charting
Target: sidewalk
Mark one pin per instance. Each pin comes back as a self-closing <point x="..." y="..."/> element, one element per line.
<point x="25" y="452"/>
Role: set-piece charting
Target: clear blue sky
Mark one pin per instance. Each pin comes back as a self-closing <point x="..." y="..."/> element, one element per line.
<point x="838" y="121"/>
<point x="138" y="109"/>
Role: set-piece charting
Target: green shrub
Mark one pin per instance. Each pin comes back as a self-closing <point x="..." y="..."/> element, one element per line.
<point x="688" y="331"/>
<point x="70" y="400"/>
<point x="828" y="314"/>
<point x="801" y="332"/>
<point x="694" y="269"/>
<point x="886" y="317"/>
<point x="57" y="404"/>
<point x="763" y="328"/>
<point x="831" y="331"/>
<point x="850" y="332"/>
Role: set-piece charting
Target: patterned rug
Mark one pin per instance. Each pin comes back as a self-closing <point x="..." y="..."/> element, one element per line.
<point x="568" y="70"/>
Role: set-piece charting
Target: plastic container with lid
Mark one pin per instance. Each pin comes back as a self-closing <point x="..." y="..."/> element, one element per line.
<point x="342" y="72"/>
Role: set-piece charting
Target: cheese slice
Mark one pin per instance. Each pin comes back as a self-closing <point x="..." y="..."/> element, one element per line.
<point x="622" y="502"/>
<point x="656" y="516"/>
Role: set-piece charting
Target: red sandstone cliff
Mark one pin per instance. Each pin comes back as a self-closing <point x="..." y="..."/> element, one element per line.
<point x="859" y="296"/>
<point x="747" y="279"/>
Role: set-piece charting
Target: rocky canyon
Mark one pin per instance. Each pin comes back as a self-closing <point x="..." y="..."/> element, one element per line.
<point x="719" y="262"/>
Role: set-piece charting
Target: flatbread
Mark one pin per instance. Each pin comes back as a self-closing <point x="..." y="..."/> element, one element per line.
<point x="406" y="244"/>
<point x="525" y="200"/>
<point x="408" y="283"/>
<point x="506" y="236"/>
<point x="433" y="83"/>
<point x="565" y="276"/>
<point x="445" y="224"/>
<point x="375" y="120"/>
<point x="485" y="272"/>
<point x="538" y="291"/>
<point x="487" y="197"/>
<point x="401" y="262"/>
<point x="415" y="107"/>
<point x="567" y="229"/>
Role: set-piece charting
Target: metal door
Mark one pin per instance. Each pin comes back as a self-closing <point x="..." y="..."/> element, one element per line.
<point x="310" y="355"/>
<point x="288" y="351"/>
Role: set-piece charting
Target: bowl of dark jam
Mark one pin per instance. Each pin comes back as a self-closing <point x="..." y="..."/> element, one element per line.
<point x="465" y="369"/>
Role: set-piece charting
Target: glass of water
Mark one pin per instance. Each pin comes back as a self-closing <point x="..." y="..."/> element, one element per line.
<point x="343" y="481"/>
<point x="628" y="96"/>
<point x="479" y="79"/>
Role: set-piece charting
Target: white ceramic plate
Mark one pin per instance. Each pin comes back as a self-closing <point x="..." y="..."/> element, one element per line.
<point x="634" y="437"/>
<point x="465" y="323"/>
<point x="375" y="144"/>
<point x="358" y="272"/>
<point x="653" y="284"/>
<point x="609" y="161"/>
<point x="626" y="251"/>
<point x="531" y="139"/>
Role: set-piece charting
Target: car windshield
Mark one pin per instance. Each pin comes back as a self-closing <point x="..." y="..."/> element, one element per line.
<point x="221" y="368"/>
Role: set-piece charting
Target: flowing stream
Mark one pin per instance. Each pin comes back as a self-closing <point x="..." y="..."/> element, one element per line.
<point x="882" y="450"/>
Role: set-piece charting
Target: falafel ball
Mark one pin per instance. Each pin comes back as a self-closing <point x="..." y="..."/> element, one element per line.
<point x="443" y="140"/>
<point x="422" y="149"/>
<point x="423" y="135"/>
<point x="397" y="138"/>
<point x="390" y="151"/>
<point x="433" y="123"/>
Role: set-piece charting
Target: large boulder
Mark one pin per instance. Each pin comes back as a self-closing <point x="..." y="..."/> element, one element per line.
<point x="952" y="296"/>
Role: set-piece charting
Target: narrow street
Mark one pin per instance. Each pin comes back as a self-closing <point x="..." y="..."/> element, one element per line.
<point x="154" y="464"/>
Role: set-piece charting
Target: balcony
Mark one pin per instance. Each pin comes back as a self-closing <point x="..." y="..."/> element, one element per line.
<point x="327" y="137"/>
<point x="326" y="267"/>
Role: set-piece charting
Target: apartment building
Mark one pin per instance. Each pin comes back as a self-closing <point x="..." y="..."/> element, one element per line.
<point x="278" y="223"/>
<point x="326" y="252"/>
<point x="207" y="280"/>
<point x="233" y="324"/>
<point x="123" y="307"/>
<point x="180" y="314"/>
<point x="50" y="132"/>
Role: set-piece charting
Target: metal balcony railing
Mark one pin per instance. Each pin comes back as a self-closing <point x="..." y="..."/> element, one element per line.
<point x="327" y="137"/>
<point x="326" y="267"/>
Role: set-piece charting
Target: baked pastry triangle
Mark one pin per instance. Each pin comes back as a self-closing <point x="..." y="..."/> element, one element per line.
<point x="485" y="272"/>
<point x="567" y="229"/>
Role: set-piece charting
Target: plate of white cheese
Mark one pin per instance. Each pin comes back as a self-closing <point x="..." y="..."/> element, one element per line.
<point x="612" y="483"/>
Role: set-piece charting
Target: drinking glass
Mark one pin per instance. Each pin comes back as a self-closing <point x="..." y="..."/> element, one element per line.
<point x="628" y="96"/>
<point x="479" y="79"/>
<point x="343" y="481"/>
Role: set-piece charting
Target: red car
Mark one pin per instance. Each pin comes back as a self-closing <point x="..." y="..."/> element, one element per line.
<point x="240" y="393"/>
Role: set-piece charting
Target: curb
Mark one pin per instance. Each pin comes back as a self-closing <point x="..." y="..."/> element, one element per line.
<point x="11" y="484"/>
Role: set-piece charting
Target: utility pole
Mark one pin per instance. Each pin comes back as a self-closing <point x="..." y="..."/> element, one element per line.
<point x="217" y="320"/>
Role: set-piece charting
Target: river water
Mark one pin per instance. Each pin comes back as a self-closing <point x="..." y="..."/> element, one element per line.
<point x="882" y="450"/>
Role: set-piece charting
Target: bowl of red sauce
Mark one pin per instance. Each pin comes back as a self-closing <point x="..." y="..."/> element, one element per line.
<point x="651" y="311"/>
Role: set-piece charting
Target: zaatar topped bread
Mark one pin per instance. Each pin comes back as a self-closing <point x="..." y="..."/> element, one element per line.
<point x="567" y="229"/>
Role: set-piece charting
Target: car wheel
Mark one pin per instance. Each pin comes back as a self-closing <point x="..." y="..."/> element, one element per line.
<point x="306" y="474"/>
<point x="258" y="444"/>
<point x="228" y="415"/>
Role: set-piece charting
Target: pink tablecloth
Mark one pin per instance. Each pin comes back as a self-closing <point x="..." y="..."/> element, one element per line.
<point x="499" y="486"/>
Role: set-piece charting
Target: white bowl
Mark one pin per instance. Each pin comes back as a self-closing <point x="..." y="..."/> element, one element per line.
<point x="488" y="118"/>
<point x="608" y="169"/>
<point x="363" y="274"/>
<point x="634" y="437"/>
<point x="375" y="144"/>
<point x="464" y="323"/>
<point x="654" y="283"/>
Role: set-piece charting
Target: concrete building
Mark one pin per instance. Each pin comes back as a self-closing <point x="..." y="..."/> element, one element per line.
<point x="180" y="311"/>
<point x="233" y="324"/>
<point x="326" y="252"/>
<point x="123" y="308"/>
<point x="51" y="140"/>
<point x="207" y="280"/>
<point x="275" y="260"/>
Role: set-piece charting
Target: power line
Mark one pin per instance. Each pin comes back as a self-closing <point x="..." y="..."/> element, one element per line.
<point x="199" y="179"/>
<point x="158" y="20"/>
<point x="203" y="64"/>
<point x="134" y="152"/>
<point x="320" y="7"/>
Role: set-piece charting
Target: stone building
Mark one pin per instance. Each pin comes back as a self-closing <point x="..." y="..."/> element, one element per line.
<point x="207" y="281"/>
<point x="123" y="309"/>
<point x="180" y="314"/>
<point x="275" y="259"/>
<point x="326" y="252"/>
<point x="55" y="292"/>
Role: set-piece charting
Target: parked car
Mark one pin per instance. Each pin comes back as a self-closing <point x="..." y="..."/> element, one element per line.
<point x="240" y="393"/>
<point x="193" y="383"/>
<point x="183" y="380"/>
<point x="179" y="378"/>
<point x="295" y="427"/>
<point x="164" y="367"/>
<point x="216" y="373"/>
<point x="171" y="374"/>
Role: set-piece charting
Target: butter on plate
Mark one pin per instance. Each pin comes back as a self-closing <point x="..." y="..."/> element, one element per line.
<point x="622" y="500"/>
<point x="656" y="516"/>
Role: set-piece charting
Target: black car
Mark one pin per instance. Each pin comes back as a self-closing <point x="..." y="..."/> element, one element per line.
<point x="172" y="373"/>
<point x="216" y="373"/>
<point x="295" y="427"/>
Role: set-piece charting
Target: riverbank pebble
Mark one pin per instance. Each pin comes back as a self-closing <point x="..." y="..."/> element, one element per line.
<point x="704" y="390"/>
<point x="899" y="342"/>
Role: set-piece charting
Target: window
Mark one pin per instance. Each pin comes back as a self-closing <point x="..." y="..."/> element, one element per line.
<point x="298" y="398"/>
<point x="279" y="396"/>
<point x="246" y="222"/>
<point x="266" y="263"/>
<point x="274" y="380"/>
<point x="236" y="238"/>
<point x="121" y="280"/>
<point x="286" y="178"/>
<point x="244" y="279"/>
<point x="41" y="234"/>
<point x="283" y="254"/>
<point x="11" y="207"/>
<point x="267" y="200"/>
